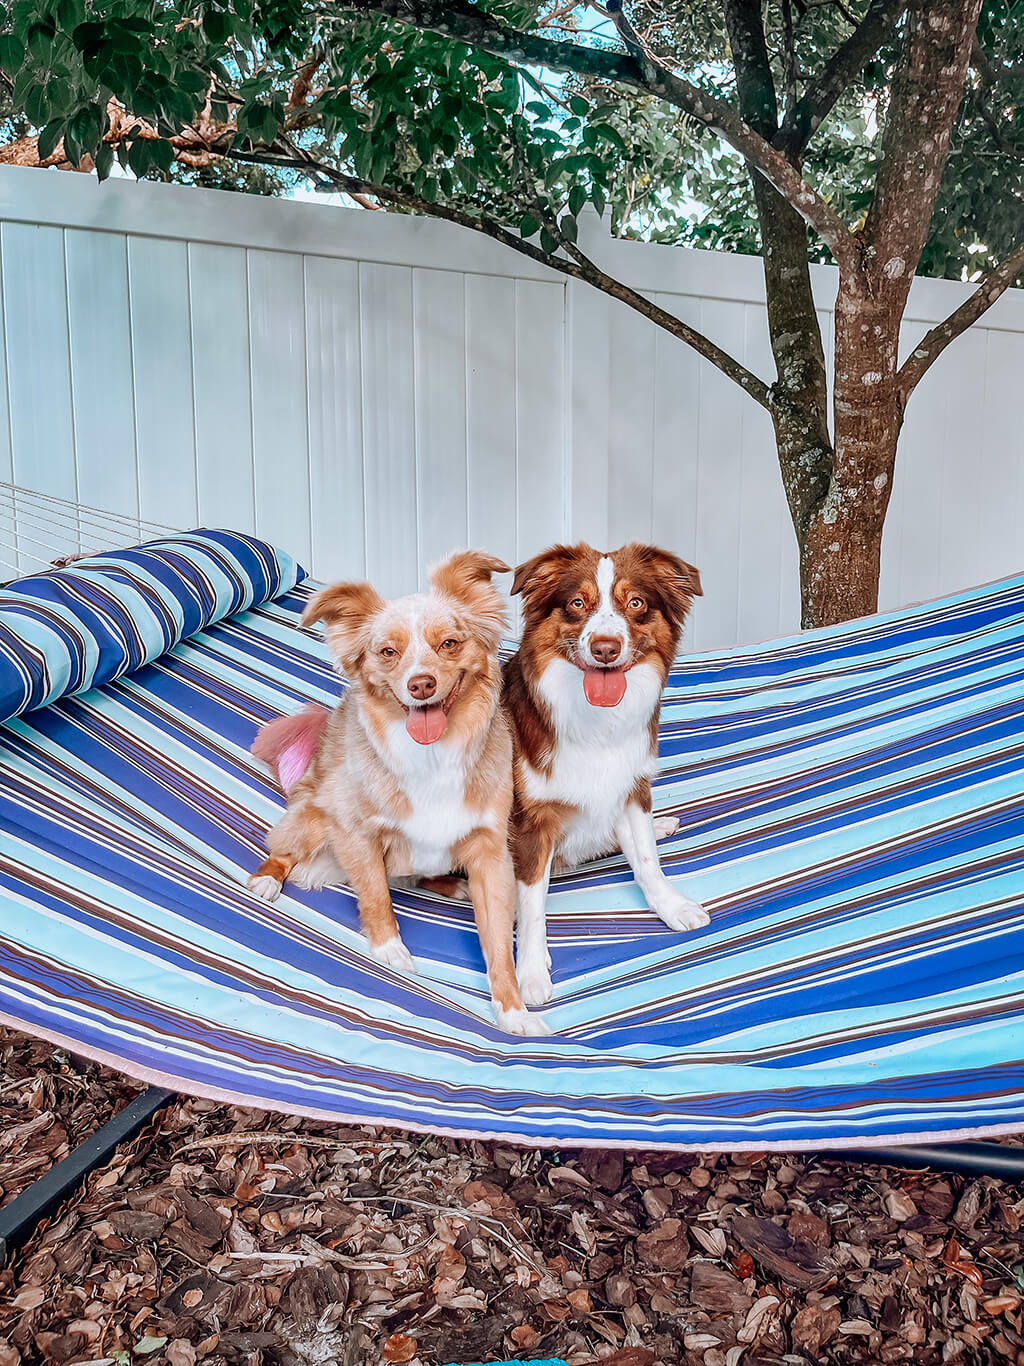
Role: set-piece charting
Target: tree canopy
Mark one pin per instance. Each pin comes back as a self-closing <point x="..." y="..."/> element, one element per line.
<point x="499" y="134"/>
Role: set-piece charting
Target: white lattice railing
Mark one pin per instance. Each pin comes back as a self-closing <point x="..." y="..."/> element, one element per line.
<point x="38" y="529"/>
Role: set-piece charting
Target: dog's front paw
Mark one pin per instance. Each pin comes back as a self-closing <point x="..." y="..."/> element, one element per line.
<point x="394" y="953"/>
<point x="521" y="1022"/>
<point x="268" y="888"/>
<point x="535" y="983"/>
<point x="679" y="912"/>
<point x="665" y="826"/>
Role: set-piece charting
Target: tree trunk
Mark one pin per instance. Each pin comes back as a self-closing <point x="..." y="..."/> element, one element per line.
<point x="841" y="541"/>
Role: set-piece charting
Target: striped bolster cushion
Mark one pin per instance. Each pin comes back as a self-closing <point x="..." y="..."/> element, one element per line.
<point x="71" y="629"/>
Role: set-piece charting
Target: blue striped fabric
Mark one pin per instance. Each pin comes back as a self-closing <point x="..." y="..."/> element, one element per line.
<point x="852" y="807"/>
<point x="68" y="630"/>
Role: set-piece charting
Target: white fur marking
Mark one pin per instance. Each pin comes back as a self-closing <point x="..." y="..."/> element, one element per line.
<point x="636" y="836"/>
<point x="600" y="754"/>
<point x="415" y="606"/>
<point x="606" y="620"/>
<point x="665" y="826"/>
<point x="521" y="1022"/>
<point x="533" y="961"/>
<point x="433" y="780"/>
<point x="394" y="953"/>
<point x="266" y="887"/>
<point x="319" y="871"/>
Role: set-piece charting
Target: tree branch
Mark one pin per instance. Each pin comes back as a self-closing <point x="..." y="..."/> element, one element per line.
<point x="800" y="392"/>
<point x="935" y="342"/>
<point x="790" y="65"/>
<point x="990" y="74"/>
<point x="755" y="84"/>
<point x="578" y="266"/>
<point x="923" y="100"/>
<point x="849" y="59"/>
<point x="466" y="24"/>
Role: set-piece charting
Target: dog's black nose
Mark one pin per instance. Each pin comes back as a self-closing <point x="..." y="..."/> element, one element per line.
<point x="422" y="686"/>
<point x="605" y="649"/>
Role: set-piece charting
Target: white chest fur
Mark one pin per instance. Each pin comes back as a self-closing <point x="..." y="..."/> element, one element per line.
<point x="600" y="754"/>
<point x="433" y="780"/>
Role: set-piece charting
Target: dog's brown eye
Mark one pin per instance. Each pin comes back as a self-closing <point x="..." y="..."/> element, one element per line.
<point x="388" y="653"/>
<point x="577" y="604"/>
<point x="449" y="644"/>
<point x="636" y="604"/>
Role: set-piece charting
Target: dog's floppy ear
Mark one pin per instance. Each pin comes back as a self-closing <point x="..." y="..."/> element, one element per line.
<point x="466" y="577"/>
<point x="677" y="582"/>
<point x="538" y="578"/>
<point x="345" y="609"/>
<point x="462" y="572"/>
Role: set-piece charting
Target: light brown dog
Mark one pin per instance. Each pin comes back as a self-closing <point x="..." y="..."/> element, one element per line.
<point x="412" y="776"/>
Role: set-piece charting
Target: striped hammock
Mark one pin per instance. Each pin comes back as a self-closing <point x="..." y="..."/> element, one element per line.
<point x="852" y="807"/>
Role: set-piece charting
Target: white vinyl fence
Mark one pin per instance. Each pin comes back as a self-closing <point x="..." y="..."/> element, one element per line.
<point x="371" y="391"/>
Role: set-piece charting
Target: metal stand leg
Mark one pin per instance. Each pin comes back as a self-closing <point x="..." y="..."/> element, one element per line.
<point x="20" y="1217"/>
<point x="973" y="1159"/>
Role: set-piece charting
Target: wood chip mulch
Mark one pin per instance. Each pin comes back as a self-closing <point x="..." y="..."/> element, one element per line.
<point x="223" y="1236"/>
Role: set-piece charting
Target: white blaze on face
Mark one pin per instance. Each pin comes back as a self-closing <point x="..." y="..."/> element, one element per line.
<point x="606" y="620"/>
<point x="416" y="662"/>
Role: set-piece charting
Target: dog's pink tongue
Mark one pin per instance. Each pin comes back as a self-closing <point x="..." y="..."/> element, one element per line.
<point x="426" y="724"/>
<point x="604" y="687"/>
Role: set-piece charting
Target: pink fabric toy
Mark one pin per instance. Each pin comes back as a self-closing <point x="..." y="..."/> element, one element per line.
<point x="287" y="745"/>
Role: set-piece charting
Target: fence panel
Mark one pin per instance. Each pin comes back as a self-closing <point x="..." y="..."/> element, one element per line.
<point x="373" y="390"/>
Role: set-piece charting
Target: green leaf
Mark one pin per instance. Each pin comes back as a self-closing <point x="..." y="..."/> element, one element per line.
<point x="510" y="92"/>
<point x="609" y="134"/>
<point x="577" y="198"/>
<point x="528" y="225"/>
<point x="217" y="26"/>
<point x="270" y="126"/>
<point x="12" y="52"/>
<point x="162" y="154"/>
<point x="71" y="149"/>
<point x="146" y="1345"/>
<point x="37" y="106"/>
<point x="49" y="138"/>
<point x="195" y="82"/>
<point x="104" y="160"/>
<point x="568" y="227"/>
<point x="89" y="35"/>
<point x="579" y="105"/>
<point x="70" y="13"/>
<point x="548" y="242"/>
<point x="40" y="39"/>
<point x="140" y="155"/>
<point x="87" y="127"/>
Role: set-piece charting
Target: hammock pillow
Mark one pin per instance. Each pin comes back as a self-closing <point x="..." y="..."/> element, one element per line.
<point x="68" y="630"/>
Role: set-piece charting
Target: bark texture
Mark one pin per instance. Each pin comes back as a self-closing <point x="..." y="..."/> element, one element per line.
<point x="838" y="486"/>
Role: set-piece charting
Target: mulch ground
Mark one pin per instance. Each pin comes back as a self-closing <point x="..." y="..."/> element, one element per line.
<point x="232" y="1236"/>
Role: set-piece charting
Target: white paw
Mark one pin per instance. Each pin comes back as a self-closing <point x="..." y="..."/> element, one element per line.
<point x="665" y="826"/>
<point x="535" y="984"/>
<point x="679" y="912"/>
<point x="460" y="890"/>
<point x="266" y="887"/>
<point x="394" y="953"/>
<point x="521" y="1022"/>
